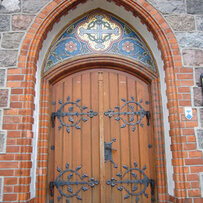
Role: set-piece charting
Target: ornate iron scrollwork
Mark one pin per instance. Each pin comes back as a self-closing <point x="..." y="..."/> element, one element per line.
<point x="90" y="183"/>
<point x="108" y="151"/>
<point x="81" y="115"/>
<point x="119" y="113"/>
<point x="144" y="182"/>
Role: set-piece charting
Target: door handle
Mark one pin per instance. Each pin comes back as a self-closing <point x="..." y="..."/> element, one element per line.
<point x="108" y="151"/>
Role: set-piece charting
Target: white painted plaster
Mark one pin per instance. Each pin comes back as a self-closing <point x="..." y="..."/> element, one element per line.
<point x="201" y="183"/>
<point x="142" y="29"/>
<point x="35" y="134"/>
<point x="1" y="188"/>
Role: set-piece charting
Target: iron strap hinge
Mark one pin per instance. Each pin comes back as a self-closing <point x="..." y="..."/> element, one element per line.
<point x="51" y="188"/>
<point x="147" y="113"/>
<point x="152" y="184"/>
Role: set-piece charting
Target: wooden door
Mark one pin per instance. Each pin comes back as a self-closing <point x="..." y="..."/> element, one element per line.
<point x="101" y="106"/>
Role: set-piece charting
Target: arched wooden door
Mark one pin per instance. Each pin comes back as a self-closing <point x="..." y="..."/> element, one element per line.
<point x="101" y="129"/>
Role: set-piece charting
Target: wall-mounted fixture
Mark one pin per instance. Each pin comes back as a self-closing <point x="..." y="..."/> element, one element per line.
<point x="201" y="81"/>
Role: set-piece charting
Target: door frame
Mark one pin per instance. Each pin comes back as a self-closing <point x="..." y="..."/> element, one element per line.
<point x="123" y="64"/>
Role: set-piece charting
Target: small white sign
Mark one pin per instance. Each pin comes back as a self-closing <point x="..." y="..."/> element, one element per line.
<point x="188" y="113"/>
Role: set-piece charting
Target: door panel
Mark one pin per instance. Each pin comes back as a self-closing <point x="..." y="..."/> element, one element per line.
<point x="101" y="90"/>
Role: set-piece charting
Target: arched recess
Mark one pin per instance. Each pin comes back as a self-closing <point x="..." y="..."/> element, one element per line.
<point x="29" y="57"/>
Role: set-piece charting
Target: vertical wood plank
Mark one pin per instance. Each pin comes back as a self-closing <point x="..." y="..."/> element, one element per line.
<point x="96" y="194"/>
<point x="51" y="171"/>
<point x="76" y="153"/>
<point x="86" y="135"/>
<point x="58" y="137"/>
<point x="134" y="136"/>
<point x="144" y="133"/>
<point x="115" y="133"/>
<point x="125" y="153"/>
<point x="67" y="137"/>
<point x="107" y="135"/>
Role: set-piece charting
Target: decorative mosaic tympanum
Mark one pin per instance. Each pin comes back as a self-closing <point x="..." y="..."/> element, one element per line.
<point x="99" y="33"/>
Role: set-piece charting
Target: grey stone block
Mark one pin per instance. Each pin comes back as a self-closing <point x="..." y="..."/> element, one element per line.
<point x="169" y="6"/>
<point x="198" y="72"/>
<point x="21" y="22"/>
<point x="199" y="23"/>
<point x="181" y="23"/>
<point x="193" y="57"/>
<point x="190" y="40"/>
<point x="2" y="77"/>
<point x="30" y="6"/>
<point x="9" y="6"/>
<point x="4" y="23"/>
<point x="8" y="58"/>
<point x="198" y="96"/>
<point x="201" y="117"/>
<point x="3" y="97"/>
<point x="199" y="136"/>
<point x="11" y="40"/>
<point x="194" y="6"/>
<point x="1" y="119"/>
<point x="2" y="142"/>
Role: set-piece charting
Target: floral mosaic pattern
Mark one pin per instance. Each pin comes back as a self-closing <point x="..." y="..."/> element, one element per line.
<point x="100" y="33"/>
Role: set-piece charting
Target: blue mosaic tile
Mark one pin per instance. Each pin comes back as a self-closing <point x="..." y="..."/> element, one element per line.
<point x="99" y="32"/>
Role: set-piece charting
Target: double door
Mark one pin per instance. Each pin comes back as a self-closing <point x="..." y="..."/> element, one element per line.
<point x="101" y="142"/>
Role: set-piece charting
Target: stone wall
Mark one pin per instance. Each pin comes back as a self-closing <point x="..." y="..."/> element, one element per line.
<point x="186" y="20"/>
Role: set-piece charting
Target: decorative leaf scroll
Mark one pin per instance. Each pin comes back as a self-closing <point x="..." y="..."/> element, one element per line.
<point x="133" y="172"/>
<point x="134" y="117"/>
<point x="60" y="183"/>
<point x="74" y="118"/>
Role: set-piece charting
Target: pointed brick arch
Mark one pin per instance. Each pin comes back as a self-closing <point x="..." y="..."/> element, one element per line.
<point x="27" y="65"/>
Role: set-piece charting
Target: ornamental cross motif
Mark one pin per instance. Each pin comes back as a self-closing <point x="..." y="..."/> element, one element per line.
<point x="102" y="35"/>
<point x="99" y="31"/>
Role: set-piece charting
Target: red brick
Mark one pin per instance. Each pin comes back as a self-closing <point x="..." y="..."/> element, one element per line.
<point x="187" y="131"/>
<point x="8" y="189"/>
<point x="22" y="188"/>
<point x="9" y="126"/>
<point x="195" y="185"/>
<point x="195" y="154"/>
<point x="12" y="119"/>
<point x="10" y="149"/>
<point x="198" y="200"/>
<point x="9" y="165"/>
<point x="15" y="77"/>
<point x="194" y="193"/>
<point x="193" y="177"/>
<point x="196" y="169"/>
<point x="16" y="91"/>
<point x="22" y="172"/>
<point x="10" y="197"/>
<point x="184" y="89"/>
<point x="6" y="156"/>
<point x="6" y="172"/>
<point x="10" y="181"/>
<point x="184" y="76"/>
<point x="25" y="180"/>
<point x="189" y="146"/>
<point x="16" y="104"/>
<point x="194" y="161"/>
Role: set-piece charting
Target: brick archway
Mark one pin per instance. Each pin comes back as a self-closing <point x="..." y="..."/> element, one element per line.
<point x="27" y="65"/>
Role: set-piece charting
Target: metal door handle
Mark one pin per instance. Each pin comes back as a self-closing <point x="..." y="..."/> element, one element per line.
<point x="108" y="151"/>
